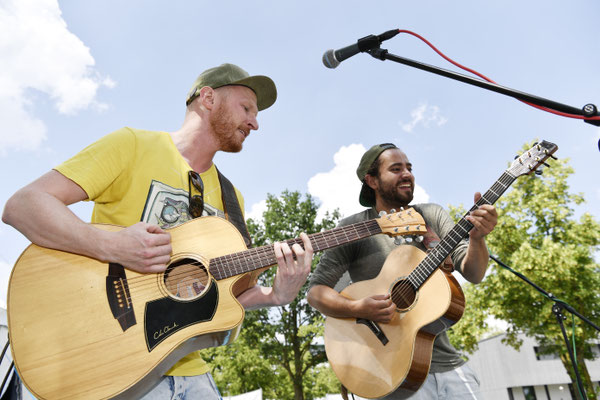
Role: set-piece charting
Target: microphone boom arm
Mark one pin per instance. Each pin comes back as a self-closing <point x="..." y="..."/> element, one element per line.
<point x="589" y="110"/>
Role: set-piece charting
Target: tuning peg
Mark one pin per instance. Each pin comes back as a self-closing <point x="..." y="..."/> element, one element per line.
<point x="546" y="165"/>
<point x="419" y="239"/>
<point x="539" y="172"/>
<point x="393" y="210"/>
<point x="409" y="239"/>
<point x="398" y="240"/>
<point x="382" y="213"/>
<point x="553" y="157"/>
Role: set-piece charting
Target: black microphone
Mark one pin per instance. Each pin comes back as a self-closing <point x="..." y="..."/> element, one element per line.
<point x="333" y="58"/>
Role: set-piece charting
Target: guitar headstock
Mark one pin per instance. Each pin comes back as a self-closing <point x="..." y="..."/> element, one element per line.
<point x="530" y="160"/>
<point x="405" y="222"/>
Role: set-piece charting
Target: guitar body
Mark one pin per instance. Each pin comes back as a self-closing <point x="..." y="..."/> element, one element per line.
<point x="65" y="336"/>
<point x="359" y="357"/>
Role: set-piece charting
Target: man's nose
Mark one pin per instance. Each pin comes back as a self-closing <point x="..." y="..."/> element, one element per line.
<point x="253" y="123"/>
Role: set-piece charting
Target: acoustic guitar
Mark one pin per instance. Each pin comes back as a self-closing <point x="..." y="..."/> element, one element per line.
<point x="374" y="359"/>
<point x="83" y="329"/>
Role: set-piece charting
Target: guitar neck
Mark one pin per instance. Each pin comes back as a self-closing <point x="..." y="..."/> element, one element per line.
<point x="460" y="231"/>
<point x="264" y="256"/>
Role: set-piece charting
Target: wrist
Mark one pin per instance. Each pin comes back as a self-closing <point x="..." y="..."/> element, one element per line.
<point x="355" y="308"/>
<point x="102" y="239"/>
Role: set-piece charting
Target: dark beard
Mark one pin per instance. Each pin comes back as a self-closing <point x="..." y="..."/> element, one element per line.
<point x="390" y="195"/>
<point x="225" y="130"/>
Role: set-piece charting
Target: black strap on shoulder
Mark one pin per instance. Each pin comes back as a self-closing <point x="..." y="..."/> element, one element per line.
<point x="233" y="211"/>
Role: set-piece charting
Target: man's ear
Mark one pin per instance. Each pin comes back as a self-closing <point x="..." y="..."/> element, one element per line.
<point x="207" y="97"/>
<point x="371" y="181"/>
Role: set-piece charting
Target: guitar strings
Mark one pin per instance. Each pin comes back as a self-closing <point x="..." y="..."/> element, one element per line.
<point x="435" y="257"/>
<point x="224" y="264"/>
<point x="236" y="263"/>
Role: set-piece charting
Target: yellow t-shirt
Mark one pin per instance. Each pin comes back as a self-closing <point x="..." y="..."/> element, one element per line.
<point x="135" y="175"/>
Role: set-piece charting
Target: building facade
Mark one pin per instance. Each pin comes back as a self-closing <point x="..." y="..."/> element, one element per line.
<point x="524" y="374"/>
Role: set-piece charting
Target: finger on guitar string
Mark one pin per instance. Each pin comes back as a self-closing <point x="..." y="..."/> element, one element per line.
<point x="378" y="308"/>
<point x="305" y="259"/>
<point x="293" y="267"/>
<point x="142" y="247"/>
<point x="283" y="254"/>
<point x="484" y="219"/>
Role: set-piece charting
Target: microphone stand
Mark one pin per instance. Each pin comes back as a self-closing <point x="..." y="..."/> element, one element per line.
<point x="588" y="110"/>
<point x="557" y="308"/>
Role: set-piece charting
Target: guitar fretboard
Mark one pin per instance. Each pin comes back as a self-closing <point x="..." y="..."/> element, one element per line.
<point x="460" y="231"/>
<point x="256" y="258"/>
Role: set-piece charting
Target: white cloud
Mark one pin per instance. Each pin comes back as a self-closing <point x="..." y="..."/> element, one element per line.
<point x="257" y="210"/>
<point x="425" y="115"/>
<point x="339" y="187"/>
<point x="38" y="53"/>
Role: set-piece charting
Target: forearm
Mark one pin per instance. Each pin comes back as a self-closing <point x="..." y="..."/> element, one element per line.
<point x="48" y="222"/>
<point x="475" y="262"/>
<point x="329" y="302"/>
<point x="257" y="297"/>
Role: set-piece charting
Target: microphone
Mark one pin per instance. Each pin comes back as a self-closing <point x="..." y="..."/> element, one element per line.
<point x="333" y="58"/>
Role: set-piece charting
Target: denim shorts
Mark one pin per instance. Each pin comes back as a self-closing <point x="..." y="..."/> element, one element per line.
<point x="185" y="388"/>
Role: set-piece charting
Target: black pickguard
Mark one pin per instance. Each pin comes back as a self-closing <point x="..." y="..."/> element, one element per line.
<point x="163" y="317"/>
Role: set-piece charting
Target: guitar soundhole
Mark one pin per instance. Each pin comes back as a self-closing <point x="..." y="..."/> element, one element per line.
<point x="403" y="294"/>
<point x="186" y="279"/>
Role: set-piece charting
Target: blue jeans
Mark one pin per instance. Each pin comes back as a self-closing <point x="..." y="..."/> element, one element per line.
<point x="458" y="384"/>
<point x="185" y="388"/>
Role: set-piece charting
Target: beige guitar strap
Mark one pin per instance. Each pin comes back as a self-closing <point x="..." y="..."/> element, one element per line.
<point x="344" y="392"/>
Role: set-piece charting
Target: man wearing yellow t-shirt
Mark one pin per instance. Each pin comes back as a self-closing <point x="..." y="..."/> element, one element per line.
<point x="149" y="181"/>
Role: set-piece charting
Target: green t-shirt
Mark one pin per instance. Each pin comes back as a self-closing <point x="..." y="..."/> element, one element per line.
<point x="135" y="175"/>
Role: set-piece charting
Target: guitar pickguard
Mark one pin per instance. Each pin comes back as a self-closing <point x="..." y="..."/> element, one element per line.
<point x="165" y="316"/>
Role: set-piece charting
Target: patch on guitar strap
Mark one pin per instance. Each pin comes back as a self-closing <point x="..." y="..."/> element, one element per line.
<point x="430" y="240"/>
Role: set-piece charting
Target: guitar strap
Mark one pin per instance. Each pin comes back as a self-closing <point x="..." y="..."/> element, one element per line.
<point x="233" y="212"/>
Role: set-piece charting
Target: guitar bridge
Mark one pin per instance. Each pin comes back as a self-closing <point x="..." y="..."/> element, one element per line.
<point x="375" y="328"/>
<point x="119" y="299"/>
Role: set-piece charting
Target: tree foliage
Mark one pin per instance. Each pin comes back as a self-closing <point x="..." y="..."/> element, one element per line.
<point x="538" y="235"/>
<point x="278" y="349"/>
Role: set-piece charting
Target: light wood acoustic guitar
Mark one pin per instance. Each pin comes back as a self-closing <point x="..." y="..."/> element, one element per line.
<point x="83" y="329"/>
<point x="374" y="359"/>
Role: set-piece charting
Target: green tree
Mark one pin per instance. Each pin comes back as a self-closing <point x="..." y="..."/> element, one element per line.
<point x="277" y="348"/>
<point x="538" y="235"/>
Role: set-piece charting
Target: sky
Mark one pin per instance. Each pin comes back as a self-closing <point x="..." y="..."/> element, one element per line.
<point x="73" y="71"/>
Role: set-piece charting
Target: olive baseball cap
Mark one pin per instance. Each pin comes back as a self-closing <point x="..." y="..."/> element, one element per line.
<point x="367" y="195"/>
<point x="229" y="74"/>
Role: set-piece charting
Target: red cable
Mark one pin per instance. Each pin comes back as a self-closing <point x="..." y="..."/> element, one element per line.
<point x="550" y="110"/>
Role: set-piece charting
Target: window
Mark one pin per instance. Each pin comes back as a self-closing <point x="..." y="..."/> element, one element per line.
<point x="542" y="354"/>
<point x="595" y="350"/>
<point x="529" y="393"/>
<point x="510" y="394"/>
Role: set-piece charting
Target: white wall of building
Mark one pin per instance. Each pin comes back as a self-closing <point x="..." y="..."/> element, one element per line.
<point x="500" y="367"/>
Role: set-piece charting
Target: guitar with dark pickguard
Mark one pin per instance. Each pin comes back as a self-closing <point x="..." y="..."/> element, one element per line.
<point x="81" y="328"/>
